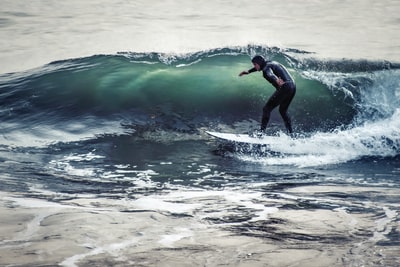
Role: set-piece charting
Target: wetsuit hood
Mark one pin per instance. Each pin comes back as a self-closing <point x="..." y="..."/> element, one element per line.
<point x="260" y="61"/>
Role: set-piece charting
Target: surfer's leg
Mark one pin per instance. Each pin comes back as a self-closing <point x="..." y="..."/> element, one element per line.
<point x="272" y="103"/>
<point x="286" y="119"/>
<point x="265" y="117"/>
<point x="284" y="106"/>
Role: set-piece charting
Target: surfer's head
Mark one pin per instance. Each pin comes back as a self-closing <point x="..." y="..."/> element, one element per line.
<point x="258" y="62"/>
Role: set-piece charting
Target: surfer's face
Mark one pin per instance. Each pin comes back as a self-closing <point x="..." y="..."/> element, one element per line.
<point x="256" y="66"/>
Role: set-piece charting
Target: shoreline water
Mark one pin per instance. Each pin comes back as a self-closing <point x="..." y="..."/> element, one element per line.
<point x="204" y="229"/>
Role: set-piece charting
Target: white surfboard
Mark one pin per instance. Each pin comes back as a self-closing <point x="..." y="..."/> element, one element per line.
<point x="245" y="138"/>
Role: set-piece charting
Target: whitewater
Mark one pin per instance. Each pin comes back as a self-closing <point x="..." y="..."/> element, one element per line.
<point x="104" y="155"/>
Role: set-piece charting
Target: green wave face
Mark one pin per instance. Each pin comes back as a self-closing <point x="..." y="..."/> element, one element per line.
<point x="198" y="87"/>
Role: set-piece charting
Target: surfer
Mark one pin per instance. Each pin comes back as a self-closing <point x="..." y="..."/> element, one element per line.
<point x="279" y="77"/>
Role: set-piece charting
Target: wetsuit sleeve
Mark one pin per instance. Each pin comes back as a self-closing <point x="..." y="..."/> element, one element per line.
<point x="251" y="70"/>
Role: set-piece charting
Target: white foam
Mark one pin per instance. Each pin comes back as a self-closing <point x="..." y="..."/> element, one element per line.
<point x="110" y="248"/>
<point x="83" y="157"/>
<point x="141" y="178"/>
<point x="379" y="138"/>
<point x="169" y="239"/>
<point x="154" y="203"/>
<point x="33" y="203"/>
<point x="205" y="204"/>
<point x="382" y="225"/>
<point x="44" y="135"/>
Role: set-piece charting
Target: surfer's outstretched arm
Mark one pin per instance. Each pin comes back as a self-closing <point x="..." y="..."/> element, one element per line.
<point x="245" y="72"/>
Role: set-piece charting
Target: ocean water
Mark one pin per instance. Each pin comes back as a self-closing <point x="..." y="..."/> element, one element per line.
<point x="103" y="151"/>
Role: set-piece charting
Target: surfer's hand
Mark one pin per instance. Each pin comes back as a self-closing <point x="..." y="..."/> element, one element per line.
<point x="245" y="72"/>
<point x="280" y="82"/>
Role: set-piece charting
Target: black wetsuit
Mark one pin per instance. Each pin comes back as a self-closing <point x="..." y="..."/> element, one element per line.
<point x="283" y="95"/>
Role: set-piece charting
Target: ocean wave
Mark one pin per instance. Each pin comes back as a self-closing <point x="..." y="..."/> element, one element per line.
<point x="172" y="92"/>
